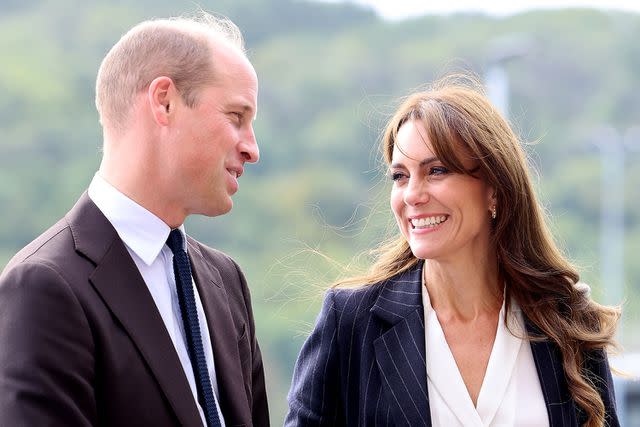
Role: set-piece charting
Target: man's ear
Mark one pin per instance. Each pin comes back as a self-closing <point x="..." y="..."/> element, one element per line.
<point x="162" y="98"/>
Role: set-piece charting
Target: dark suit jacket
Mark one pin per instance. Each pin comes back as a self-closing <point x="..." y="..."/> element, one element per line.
<point x="364" y="363"/>
<point x="83" y="344"/>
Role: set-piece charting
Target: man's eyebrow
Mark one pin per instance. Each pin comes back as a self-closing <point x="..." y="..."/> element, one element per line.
<point x="247" y="108"/>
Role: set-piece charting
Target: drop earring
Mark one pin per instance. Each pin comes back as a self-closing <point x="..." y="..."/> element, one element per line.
<point x="493" y="212"/>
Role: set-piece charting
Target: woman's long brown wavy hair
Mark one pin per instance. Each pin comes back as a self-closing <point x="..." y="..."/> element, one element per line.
<point x="456" y="113"/>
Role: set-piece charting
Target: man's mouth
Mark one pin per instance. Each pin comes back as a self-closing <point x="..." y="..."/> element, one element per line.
<point x="236" y="173"/>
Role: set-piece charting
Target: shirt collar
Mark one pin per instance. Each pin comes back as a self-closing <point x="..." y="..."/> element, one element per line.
<point x="143" y="232"/>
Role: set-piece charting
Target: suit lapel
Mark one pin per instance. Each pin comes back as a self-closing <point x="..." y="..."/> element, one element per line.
<point x="400" y="349"/>
<point x="118" y="281"/>
<point x="224" y="339"/>
<point x="560" y="405"/>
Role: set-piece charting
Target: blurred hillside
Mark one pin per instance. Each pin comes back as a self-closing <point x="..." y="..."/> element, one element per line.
<point x="329" y="76"/>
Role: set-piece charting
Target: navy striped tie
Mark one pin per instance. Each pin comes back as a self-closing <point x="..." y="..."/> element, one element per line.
<point x="186" y="298"/>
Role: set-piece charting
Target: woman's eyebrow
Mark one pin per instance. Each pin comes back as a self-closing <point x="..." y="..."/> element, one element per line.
<point x="423" y="163"/>
<point x="429" y="160"/>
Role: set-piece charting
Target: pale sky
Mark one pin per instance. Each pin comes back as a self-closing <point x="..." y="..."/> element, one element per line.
<point x="398" y="9"/>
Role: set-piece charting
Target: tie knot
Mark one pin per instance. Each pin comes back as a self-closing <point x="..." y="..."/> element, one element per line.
<point x="175" y="241"/>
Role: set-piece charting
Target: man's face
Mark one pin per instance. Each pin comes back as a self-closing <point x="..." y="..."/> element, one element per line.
<point x="212" y="141"/>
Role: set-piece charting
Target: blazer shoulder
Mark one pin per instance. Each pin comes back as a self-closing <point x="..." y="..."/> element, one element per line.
<point x="210" y="253"/>
<point x="52" y="247"/>
<point x="389" y="300"/>
<point x="226" y="265"/>
<point x="354" y="303"/>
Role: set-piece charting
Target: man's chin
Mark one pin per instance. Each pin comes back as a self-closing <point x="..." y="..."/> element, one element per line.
<point x="221" y="208"/>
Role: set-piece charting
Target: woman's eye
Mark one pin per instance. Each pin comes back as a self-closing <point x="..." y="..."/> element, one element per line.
<point x="438" y="170"/>
<point x="397" y="176"/>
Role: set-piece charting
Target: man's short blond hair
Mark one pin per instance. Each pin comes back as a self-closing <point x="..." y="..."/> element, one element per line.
<point x="180" y="48"/>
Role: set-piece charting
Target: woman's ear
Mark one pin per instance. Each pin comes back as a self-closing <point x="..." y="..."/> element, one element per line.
<point x="493" y="202"/>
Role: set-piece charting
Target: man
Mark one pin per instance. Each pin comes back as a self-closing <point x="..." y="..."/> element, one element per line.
<point x="101" y="322"/>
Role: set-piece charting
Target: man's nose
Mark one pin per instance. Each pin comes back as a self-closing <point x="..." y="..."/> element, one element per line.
<point x="249" y="146"/>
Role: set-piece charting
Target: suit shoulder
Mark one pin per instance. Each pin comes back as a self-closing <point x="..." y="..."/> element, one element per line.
<point x="348" y="295"/>
<point x="218" y="258"/>
<point x="210" y="252"/>
<point x="55" y="242"/>
<point x="354" y="302"/>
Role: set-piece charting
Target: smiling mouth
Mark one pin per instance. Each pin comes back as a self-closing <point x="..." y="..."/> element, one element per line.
<point x="234" y="173"/>
<point x="427" y="222"/>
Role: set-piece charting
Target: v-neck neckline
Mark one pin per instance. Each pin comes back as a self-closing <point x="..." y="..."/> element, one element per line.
<point x="445" y="376"/>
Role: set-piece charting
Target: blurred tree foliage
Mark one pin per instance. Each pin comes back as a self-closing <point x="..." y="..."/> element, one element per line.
<point x="330" y="74"/>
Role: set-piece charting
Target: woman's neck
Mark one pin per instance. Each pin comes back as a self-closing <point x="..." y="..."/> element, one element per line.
<point x="464" y="291"/>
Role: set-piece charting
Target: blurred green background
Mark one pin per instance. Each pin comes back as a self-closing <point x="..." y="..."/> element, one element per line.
<point x="330" y="74"/>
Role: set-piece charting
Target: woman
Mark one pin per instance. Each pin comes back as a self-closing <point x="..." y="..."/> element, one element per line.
<point x="471" y="317"/>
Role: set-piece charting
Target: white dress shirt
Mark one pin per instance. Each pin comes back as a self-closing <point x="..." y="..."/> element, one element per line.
<point x="510" y="395"/>
<point x="144" y="236"/>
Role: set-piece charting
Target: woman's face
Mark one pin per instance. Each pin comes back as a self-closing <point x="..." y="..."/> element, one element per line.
<point x="442" y="214"/>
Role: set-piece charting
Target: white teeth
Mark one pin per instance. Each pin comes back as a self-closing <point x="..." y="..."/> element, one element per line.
<point x="430" y="221"/>
<point x="234" y="173"/>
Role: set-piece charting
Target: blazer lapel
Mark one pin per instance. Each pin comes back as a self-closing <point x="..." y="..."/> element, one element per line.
<point x="560" y="404"/>
<point x="224" y="340"/>
<point x="400" y="350"/>
<point x="118" y="281"/>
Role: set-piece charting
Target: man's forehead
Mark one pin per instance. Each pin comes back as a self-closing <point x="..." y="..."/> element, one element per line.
<point x="235" y="73"/>
<point x="226" y="55"/>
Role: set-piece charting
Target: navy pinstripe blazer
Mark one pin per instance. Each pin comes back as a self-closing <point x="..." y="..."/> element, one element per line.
<point x="364" y="363"/>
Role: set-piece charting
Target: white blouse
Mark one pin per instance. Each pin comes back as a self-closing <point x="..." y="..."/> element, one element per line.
<point x="510" y="394"/>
